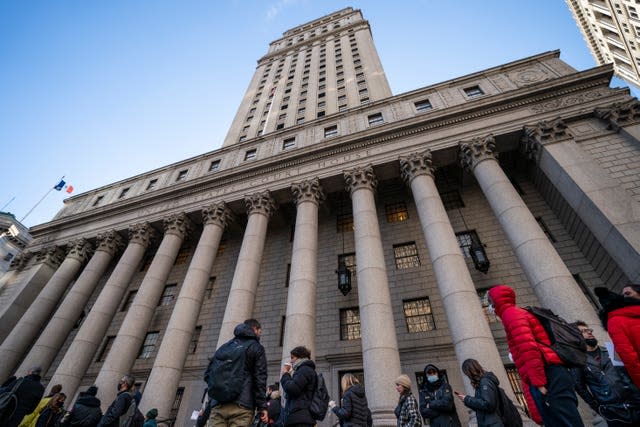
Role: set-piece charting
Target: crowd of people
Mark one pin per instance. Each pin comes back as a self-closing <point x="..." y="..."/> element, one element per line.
<point x="238" y="395"/>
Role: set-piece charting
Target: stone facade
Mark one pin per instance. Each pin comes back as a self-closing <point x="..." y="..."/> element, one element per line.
<point x="520" y="157"/>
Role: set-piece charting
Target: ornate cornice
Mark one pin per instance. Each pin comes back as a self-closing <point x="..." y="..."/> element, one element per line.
<point x="543" y="133"/>
<point x="110" y="242"/>
<point x="477" y="150"/>
<point x="260" y="203"/>
<point x="217" y="213"/>
<point x="80" y="249"/>
<point x="360" y="177"/>
<point x="177" y="224"/>
<point x="142" y="234"/>
<point x="416" y="164"/>
<point x="21" y="260"/>
<point x="620" y="114"/>
<point x="309" y="190"/>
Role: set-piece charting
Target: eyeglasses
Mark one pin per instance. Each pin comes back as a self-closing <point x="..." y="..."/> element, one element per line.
<point x="587" y="330"/>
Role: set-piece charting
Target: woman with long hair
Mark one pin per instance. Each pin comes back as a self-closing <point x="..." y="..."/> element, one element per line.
<point x="53" y="412"/>
<point x="487" y="395"/>
<point x="406" y="411"/>
<point x="353" y="409"/>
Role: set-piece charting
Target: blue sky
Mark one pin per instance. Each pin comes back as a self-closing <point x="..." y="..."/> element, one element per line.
<point x="99" y="91"/>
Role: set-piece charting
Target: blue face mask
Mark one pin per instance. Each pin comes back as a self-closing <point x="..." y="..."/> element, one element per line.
<point x="432" y="378"/>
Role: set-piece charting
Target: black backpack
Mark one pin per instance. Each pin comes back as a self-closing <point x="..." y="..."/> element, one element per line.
<point x="566" y="339"/>
<point x="227" y="372"/>
<point x="9" y="400"/>
<point x="507" y="410"/>
<point x="320" y="399"/>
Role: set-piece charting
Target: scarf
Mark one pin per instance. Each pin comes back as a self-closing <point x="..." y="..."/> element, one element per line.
<point x="298" y="363"/>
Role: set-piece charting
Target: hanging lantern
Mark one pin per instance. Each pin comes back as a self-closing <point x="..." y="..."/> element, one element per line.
<point x="344" y="278"/>
<point x="479" y="256"/>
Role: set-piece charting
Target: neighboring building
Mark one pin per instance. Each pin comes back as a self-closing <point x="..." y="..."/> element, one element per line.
<point x="13" y="238"/>
<point x="527" y="171"/>
<point x="612" y="32"/>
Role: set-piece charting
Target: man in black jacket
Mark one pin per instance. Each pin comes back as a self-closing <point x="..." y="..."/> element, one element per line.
<point x="86" y="411"/>
<point x="120" y="405"/>
<point x="28" y="393"/>
<point x="252" y="396"/>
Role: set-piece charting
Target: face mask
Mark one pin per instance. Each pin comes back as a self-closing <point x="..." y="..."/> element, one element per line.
<point x="60" y="404"/>
<point x="432" y="378"/>
<point x="491" y="310"/>
<point x="591" y="342"/>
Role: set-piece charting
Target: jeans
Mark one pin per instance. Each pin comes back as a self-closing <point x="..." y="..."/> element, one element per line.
<point x="559" y="407"/>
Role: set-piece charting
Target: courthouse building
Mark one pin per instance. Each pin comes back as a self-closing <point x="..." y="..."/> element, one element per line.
<point x="525" y="174"/>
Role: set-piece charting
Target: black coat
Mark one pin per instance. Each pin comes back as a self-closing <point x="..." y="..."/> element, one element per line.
<point x="437" y="405"/>
<point x="119" y="407"/>
<point x="86" y="412"/>
<point x="354" y="409"/>
<point x="485" y="401"/>
<point x="29" y="394"/>
<point x="49" y="418"/>
<point x="298" y="393"/>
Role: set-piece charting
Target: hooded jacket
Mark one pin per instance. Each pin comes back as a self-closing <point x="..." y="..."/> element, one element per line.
<point x="86" y="412"/>
<point x="485" y="401"/>
<point x="29" y="394"/>
<point x="298" y="390"/>
<point x="353" y="409"/>
<point x="436" y="401"/>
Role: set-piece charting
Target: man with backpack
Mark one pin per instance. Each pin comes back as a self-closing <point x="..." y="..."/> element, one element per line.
<point x="237" y="378"/>
<point x="21" y="397"/>
<point x="123" y="411"/>
<point x="549" y="381"/>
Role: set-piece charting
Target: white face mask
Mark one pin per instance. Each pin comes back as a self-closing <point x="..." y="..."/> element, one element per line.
<point x="432" y="378"/>
<point x="491" y="310"/>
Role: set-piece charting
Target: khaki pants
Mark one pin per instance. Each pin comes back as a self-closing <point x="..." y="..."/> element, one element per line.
<point x="230" y="415"/>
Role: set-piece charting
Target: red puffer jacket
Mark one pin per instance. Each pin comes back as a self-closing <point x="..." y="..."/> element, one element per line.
<point x="624" y="330"/>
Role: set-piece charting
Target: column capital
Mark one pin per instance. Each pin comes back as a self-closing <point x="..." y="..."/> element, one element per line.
<point x="261" y="203"/>
<point x="80" y="249"/>
<point x="142" y="234"/>
<point x="110" y="242"/>
<point x="217" y="213"/>
<point x="416" y="164"/>
<point x="21" y="260"/>
<point x="620" y="114"/>
<point x="477" y="150"/>
<point x="543" y="133"/>
<point x="52" y="255"/>
<point x="360" y="177"/>
<point x="178" y="224"/>
<point x="308" y="191"/>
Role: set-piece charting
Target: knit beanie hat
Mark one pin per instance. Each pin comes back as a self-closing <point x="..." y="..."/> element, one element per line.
<point x="92" y="391"/>
<point x="404" y="381"/>
<point x="152" y="414"/>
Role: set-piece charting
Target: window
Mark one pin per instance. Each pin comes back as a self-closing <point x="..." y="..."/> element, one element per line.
<point x="215" y="165"/>
<point x="331" y="131"/>
<point x="221" y="247"/>
<point x="193" y="345"/>
<point x="176" y="403"/>
<point x="321" y="95"/>
<point x="288" y="143"/>
<point x="284" y="107"/>
<point x="250" y="154"/>
<point x="280" y="126"/>
<point x="8" y="257"/>
<point x="544" y="228"/>
<point x="104" y="351"/>
<point x="349" y="323"/>
<point x="183" y="256"/>
<point x="406" y="255"/>
<point x="483" y="294"/>
<point x="320" y="114"/>
<point x="283" y="324"/>
<point x="423" y="105"/>
<point x="465" y="239"/>
<point x="451" y="199"/>
<point x="168" y="295"/>
<point x="375" y="119"/>
<point x="149" y="345"/>
<point x="473" y="91"/>
<point x="397" y="212"/>
<point x="516" y="385"/>
<point x="418" y="315"/>
<point x="208" y="292"/>
<point x="364" y="101"/>
<point x="321" y="104"/>
<point x="342" y="98"/>
<point x="124" y="192"/>
<point x="344" y="222"/>
<point x="98" y="200"/>
<point x="129" y="300"/>
<point x="182" y="175"/>
<point x="152" y="184"/>
<point x="242" y="138"/>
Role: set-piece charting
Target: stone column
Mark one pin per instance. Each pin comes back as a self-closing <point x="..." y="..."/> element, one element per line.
<point x="379" y="344"/>
<point x="25" y="287"/>
<point x="27" y="329"/>
<point x="167" y="367"/>
<point x="52" y="338"/>
<point x="138" y="318"/>
<point x="300" y="325"/>
<point x="548" y="275"/>
<point x="242" y="295"/>
<point x="85" y="345"/>
<point x="470" y="332"/>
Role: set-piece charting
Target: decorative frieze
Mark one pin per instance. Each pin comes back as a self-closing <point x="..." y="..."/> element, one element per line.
<point x="21" y="260"/>
<point x="261" y="203"/>
<point x="142" y="234"/>
<point x="475" y="151"/>
<point x="361" y="177"/>
<point x="178" y="224"/>
<point x="416" y="164"/>
<point x="217" y="213"/>
<point x="620" y="114"/>
<point x="110" y="242"/>
<point x="308" y="191"/>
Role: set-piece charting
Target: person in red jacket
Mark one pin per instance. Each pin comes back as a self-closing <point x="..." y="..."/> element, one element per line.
<point x="549" y="382"/>
<point x="620" y="316"/>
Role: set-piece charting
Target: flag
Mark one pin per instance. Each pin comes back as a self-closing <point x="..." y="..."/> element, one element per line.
<point x="60" y="185"/>
<point x="69" y="188"/>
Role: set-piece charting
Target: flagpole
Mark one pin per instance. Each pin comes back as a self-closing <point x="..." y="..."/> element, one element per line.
<point x="8" y="203"/>
<point x="36" y="205"/>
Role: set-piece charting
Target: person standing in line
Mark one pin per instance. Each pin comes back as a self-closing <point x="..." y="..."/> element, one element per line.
<point x="620" y="316"/>
<point x="29" y="393"/>
<point x="436" y="399"/>
<point x="298" y="382"/>
<point x="85" y="412"/>
<point x="487" y="395"/>
<point x="31" y="419"/>
<point x="354" y="409"/>
<point x="53" y="412"/>
<point x="407" y="409"/>
<point x="150" y="419"/>
<point x="121" y="404"/>
<point x="274" y="403"/>
<point x="549" y="381"/>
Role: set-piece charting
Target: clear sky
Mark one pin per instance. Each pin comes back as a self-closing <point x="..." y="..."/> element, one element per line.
<point x="99" y="91"/>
